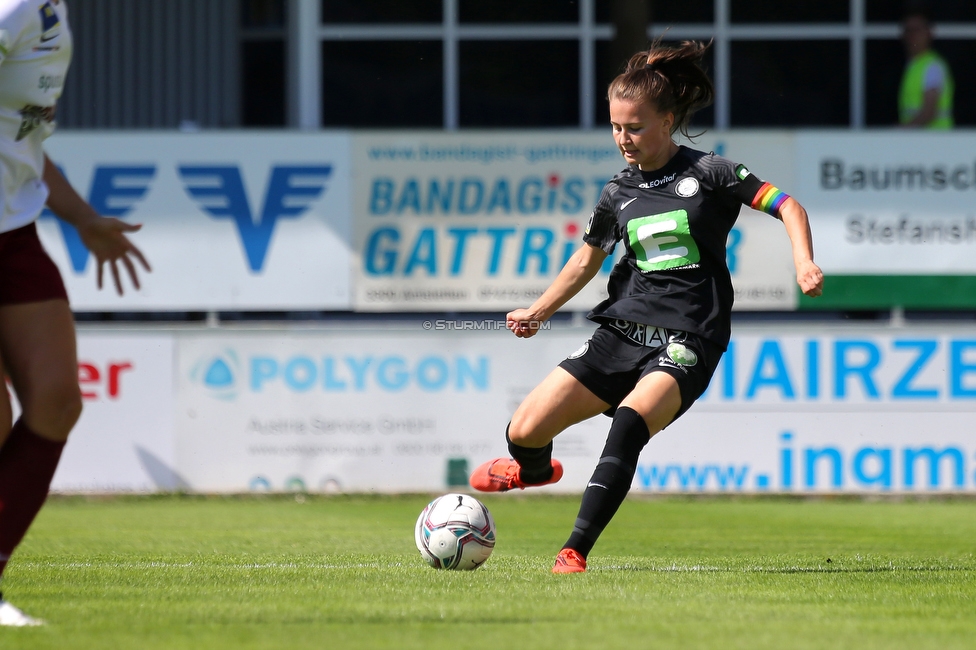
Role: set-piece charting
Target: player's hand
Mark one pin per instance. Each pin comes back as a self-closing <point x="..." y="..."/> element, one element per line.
<point x="810" y="278"/>
<point x="105" y="238"/>
<point x="523" y="323"/>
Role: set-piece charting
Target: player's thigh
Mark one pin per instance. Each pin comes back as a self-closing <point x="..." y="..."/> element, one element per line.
<point x="657" y="397"/>
<point x="37" y="344"/>
<point x="6" y="410"/>
<point x="560" y="401"/>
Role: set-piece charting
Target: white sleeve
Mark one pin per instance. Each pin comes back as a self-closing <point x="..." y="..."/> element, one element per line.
<point x="934" y="76"/>
<point x="15" y="17"/>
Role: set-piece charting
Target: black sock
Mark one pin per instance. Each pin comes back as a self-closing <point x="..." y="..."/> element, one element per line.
<point x="535" y="465"/>
<point x="611" y="479"/>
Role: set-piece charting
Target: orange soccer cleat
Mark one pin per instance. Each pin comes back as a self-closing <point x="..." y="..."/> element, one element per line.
<point x="502" y="475"/>
<point x="569" y="561"/>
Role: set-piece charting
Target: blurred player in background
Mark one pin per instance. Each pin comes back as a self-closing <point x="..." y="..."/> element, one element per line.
<point x="925" y="96"/>
<point x="37" y="336"/>
<point x="667" y="319"/>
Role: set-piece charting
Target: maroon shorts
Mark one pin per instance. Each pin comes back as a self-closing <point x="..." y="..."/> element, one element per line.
<point x="27" y="274"/>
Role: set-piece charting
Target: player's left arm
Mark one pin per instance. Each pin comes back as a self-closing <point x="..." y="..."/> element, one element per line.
<point x="808" y="274"/>
<point x="103" y="236"/>
<point x="766" y="197"/>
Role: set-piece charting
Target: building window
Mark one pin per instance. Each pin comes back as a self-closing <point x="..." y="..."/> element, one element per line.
<point x="518" y="11"/>
<point x="667" y="13"/>
<point x="794" y="11"/>
<point x="519" y="83"/>
<point x="262" y="14"/>
<point x="948" y="11"/>
<point x="379" y="84"/>
<point x="541" y="63"/>
<point x="381" y="11"/>
<point x="263" y="66"/>
<point x="263" y="83"/>
<point x="777" y="83"/>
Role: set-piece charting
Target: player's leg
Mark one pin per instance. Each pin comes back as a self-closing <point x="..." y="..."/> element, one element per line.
<point x="673" y="377"/>
<point x="557" y="403"/>
<point x="650" y="407"/>
<point x="37" y="344"/>
<point x="6" y="410"/>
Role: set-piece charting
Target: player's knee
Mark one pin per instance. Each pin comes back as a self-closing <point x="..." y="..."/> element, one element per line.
<point x="73" y="407"/>
<point x="55" y="410"/>
<point x="525" y="429"/>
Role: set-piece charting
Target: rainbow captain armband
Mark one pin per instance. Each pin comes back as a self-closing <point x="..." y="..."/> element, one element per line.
<point x="769" y="199"/>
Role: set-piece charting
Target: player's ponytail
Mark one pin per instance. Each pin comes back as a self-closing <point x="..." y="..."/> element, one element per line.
<point x="670" y="78"/>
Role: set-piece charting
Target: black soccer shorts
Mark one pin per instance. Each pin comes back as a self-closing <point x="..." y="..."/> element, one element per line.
<point x="620" y="353"/>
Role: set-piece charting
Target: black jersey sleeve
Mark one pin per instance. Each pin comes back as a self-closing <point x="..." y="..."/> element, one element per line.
<point x="602" y="230"/>
<point x="747" y="188"/>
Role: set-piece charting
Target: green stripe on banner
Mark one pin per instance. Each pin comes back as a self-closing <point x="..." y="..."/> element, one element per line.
<point x="886" y="291"/>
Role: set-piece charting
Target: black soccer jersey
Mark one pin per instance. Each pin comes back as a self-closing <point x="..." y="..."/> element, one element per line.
<point x="675" y="223"/>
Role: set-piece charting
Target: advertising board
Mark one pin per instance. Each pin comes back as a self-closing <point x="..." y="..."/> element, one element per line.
<point x="484" y="222"/>
<point x="382" y="410"/>
<point x="123" y="441"/>
<point x="893" y="217"/>
<point x="808" y="410"/>
<point x="231" y="221"/>
<point x="828" y="410"/>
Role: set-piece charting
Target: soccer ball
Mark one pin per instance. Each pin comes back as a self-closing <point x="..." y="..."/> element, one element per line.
<point x="455" y="531"/>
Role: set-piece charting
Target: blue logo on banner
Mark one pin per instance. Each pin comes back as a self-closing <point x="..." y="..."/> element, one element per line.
<point x="221" y="193"/>
<point x="218" y="374"/>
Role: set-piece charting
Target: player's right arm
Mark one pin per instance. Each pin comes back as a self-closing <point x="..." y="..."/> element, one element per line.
<point x="598" y="242"/>
<point x="578" y="270"/>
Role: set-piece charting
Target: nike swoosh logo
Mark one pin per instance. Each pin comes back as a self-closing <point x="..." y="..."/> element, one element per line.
<point x="626" y="203"/>
<point x="49" y="38"/>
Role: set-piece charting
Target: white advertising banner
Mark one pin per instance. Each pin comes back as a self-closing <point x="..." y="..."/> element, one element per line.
<point x="797" y="411"/>
<point x="484" y="222"/>
<point x="123" y="441"/>
<point x="890" y="203"/>
<point x="376" y="410"/>
<point x="231" y="221"/>
<point x="828" y="410"/>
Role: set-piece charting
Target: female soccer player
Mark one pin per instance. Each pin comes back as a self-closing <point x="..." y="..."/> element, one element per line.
<point x="37" y="336"/>
<point x="667" y="319"/>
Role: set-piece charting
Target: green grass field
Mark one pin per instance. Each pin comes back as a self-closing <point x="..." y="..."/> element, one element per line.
<point x="342" y="572"/>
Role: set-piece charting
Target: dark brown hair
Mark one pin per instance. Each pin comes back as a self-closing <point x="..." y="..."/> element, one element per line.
<point x="670" y="78"/>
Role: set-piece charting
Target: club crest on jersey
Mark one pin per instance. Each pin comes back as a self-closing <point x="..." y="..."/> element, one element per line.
<point x="682" y="354"/>
<point x="687" y="187"/>
<point x="50" y="23"/>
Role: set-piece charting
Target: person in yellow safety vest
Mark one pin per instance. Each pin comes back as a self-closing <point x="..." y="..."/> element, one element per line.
<point x="925" y="96"/>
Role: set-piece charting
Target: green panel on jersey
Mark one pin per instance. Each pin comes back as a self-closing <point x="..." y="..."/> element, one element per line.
<point x="886" y="291"/>
<point x="662" y="241"/>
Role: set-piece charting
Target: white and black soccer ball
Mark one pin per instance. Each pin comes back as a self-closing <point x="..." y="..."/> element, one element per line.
<point x="455" y="531"/>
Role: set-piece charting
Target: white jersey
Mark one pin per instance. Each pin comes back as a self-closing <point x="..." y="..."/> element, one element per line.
<point x="35" y="50"/>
